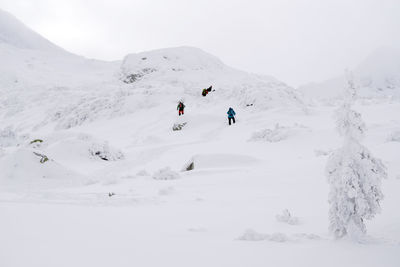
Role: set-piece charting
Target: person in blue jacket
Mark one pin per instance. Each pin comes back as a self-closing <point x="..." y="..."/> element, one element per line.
<point x="231" y="115"/>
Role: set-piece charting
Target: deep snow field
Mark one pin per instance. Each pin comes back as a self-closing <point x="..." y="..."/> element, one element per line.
<point x="107" y="183"/>
<point x="222" y="213"/>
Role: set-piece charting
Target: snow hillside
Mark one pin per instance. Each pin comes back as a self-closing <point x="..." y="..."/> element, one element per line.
<point x="63" y="90"/>
<point x="97" y="168"/>
<point x="118" y="189"/>
<point x="378" y="76"/>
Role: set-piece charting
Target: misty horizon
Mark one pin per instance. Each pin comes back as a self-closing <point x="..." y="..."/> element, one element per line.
<point x="297" y="42"/>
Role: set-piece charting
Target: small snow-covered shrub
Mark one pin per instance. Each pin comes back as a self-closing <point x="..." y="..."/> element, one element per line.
<point x="394" y="137"/>
<point x="36" y="141"/>
<point x="178" y="126"/>
<point x="104" y="152"/>
<point x="166" y="174"/>
<point x="251" y="235"/>
<point x="133" y="77"/>
<point x="278" y="133"/>
<point x="142" y="173"/>
<point x="166" y="191"/>
<point x="286" y="217"/>
<point x="43" y="158"/>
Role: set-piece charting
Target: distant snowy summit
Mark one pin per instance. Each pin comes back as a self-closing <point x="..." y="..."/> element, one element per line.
<point x="15" y="33"/>
<point x="172" y="60"/>
<point x="377" y="76"/>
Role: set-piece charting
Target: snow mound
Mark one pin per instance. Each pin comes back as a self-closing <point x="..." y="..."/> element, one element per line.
<point x="25" y="166"/>
<point x="81" y="147"/>
<point x="394" y="137"/>
<point x="166" y="174"/>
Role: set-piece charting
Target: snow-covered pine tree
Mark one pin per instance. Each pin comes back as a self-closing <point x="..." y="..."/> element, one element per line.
<point x="354" y="175"/>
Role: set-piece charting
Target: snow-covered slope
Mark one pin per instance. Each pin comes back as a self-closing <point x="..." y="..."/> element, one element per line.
<point x="90" y="165"/>
<point x="377" y="76"/>
<point x="44" y="86"/>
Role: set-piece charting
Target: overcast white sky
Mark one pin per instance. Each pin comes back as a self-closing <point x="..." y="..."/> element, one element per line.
<point x="297" y="41"/>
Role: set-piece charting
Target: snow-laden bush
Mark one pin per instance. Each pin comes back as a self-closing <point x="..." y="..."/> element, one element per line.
<point x="142" y="173"/>
<point x="251" y="235"/>
<point x="354" y="176"/>
<point x="278" y="133"/>
<point x="105" y="152"/>
<point x="8" y="137"/>
<point x="166" y="174"/>
<point x="286" y="217"/>
<point x="394" y="137"/>
<point x="178" y="126"/>
<point x="43" y="158"/>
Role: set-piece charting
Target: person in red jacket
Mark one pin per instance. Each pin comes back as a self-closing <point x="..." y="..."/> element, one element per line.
<point x="180" y="108"/>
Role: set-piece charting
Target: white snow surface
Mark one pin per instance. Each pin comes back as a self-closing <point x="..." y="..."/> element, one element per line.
<point x="78" y="209"/>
